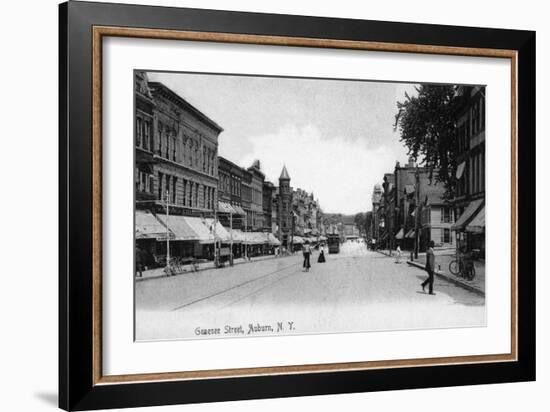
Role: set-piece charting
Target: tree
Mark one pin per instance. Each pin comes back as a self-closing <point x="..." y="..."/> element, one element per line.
<point x="427" y="126"/>
<point x="360" y="221"/>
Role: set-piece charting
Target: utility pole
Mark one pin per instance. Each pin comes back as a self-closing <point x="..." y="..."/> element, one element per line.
<point x="216" y="258"/>
<point x="417" y="214"/>
<point x="231" y="234"/>
<point x="167" y="230"/>
<point x="245" y="229"/>
<point x="292" y="233"/>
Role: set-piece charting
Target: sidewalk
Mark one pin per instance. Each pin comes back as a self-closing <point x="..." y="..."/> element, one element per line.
<point x="442" y="259"/>
<point x="159" y="272"/>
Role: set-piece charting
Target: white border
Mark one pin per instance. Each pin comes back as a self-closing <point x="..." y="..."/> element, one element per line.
<point x="123" y="356"/>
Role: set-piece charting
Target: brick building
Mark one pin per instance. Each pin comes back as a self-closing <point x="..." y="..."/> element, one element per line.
<point x="256" y="205"/>
<point x="176" y="171"/>
<point x="469" y="200"/>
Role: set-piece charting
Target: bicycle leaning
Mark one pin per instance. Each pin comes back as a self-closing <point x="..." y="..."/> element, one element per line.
<point x="463" y="266"/>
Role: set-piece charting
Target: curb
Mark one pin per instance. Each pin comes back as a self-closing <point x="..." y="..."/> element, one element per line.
<point x="138" y="279"/>
<point x="450" y="279"/>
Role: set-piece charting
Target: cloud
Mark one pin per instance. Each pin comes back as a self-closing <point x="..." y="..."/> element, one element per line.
<point x="340" y="173"/>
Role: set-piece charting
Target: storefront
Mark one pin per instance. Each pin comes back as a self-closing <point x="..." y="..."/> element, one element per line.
<point x="470" y="229"/>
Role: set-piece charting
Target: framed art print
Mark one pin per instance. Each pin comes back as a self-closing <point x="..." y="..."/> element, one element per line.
<point x="257" y="205"/>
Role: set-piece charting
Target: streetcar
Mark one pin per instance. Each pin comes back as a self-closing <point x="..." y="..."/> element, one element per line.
<point x="333" y="241"/>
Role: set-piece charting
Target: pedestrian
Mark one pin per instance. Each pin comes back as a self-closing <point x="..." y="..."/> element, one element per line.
<point x="430" y="267"/>
<point x="398" y="254"/>
<point x="321" y="258"/>
<point x="139" y="262"/>
<point x="307" y="253"/>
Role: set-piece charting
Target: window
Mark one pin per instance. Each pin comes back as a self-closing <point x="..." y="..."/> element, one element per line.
<point x="174" y="193"/>
<point x="174" y="148"/>
<point x="158" y="149"/>
<point x="446" y="215"/>
<point x="142" y="182"/>
<point x="475" y="118"/>
<point x="167" y="190"/>
<point x="147" y="135"/>
<point x="446" y="235"/>
<point x="184" y="194"/>
<point x="138" y="132"/>
<point x="196" y="195"/>
<point x="160" y="186"/>
<point x="151" y="184"/>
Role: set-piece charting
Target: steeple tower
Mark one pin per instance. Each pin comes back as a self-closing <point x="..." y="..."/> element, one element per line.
<point x="284" y="174"/>
<point x="285" y="208"/>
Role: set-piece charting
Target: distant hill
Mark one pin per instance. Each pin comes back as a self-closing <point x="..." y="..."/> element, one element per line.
<point x="335" y="218"/>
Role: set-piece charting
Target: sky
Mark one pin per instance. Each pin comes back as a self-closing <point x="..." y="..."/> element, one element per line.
<point x="335" y="137"/>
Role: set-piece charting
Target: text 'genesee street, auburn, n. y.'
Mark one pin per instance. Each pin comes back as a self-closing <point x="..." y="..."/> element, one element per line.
<point x="250" y="329"/>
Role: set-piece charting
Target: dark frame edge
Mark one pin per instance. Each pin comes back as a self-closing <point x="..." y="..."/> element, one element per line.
<point x="526" y="223"/>
<point x="63" y="378"/>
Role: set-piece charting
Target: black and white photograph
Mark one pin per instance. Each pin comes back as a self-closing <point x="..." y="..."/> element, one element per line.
<point x="272" y="205"/>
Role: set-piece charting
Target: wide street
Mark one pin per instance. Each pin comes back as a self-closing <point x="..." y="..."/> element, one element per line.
<point x="355" y="290"/>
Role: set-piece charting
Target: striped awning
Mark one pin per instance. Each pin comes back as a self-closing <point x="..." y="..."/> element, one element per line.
<point x="238" y="235"/>
<point x="410" y="234"/>
<point x="273" y="240"/>
<point x="224" y="207"/>
<point x="185" y="228"/>
<point x="255" y="238"/>
<point x="477" y="225"/>
<point x="147" y="226"/>
<point x="400" y="234"/>
<point x="239" y="210"/>
<point x="468" y="214"/>
<point x="460" y="170"/>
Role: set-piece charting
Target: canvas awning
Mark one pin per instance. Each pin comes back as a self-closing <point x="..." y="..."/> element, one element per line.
<point x="183" y="227"/>
<point x="238" y="236"/>
<point x="298" y="240"/>
<point x="149" y="227"/>
<point x="255" y="238"/>
<point x="224" y="207"/>
<point x="221" y="232"/>
<point x="239" y="210"/>
<point x="467" y="215"/>
<point x="460" y="170"/>
<point x="400" y="234"/>
<point x="477" y="225"/>
<point x="272" y="239"/>
<point x="410" y="234"/>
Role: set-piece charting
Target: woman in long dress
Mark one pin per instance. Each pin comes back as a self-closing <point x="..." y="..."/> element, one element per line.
<point x="321" y="258"/>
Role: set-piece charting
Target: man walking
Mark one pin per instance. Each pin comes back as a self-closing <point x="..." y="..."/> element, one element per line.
<point x="307" y="254"/>
<point x="430" y="267"/>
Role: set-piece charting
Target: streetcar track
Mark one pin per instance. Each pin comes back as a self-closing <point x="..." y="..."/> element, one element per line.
<point x="232" y="288"/>
<point x="258" y="290"/>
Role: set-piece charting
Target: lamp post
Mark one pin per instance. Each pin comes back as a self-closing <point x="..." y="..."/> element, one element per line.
<point x="215" y="224"/>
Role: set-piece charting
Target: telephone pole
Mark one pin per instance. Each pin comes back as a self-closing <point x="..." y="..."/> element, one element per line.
<point x="417" y="214"/>
<point x="167" y="230"/>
